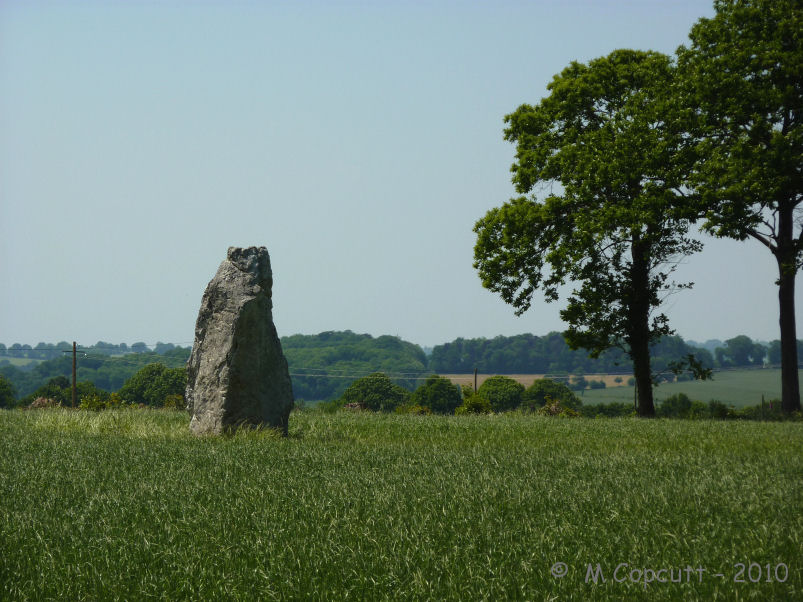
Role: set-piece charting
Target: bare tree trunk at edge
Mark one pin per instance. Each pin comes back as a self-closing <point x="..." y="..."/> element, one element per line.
<point x="790" y="386"/>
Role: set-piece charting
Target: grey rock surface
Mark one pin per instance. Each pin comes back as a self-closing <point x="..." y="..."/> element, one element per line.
<point x="237" y="374"/>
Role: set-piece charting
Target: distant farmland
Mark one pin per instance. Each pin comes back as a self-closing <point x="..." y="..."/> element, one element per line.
<point x="528" y="379"/>
<point x="733" y="387"/>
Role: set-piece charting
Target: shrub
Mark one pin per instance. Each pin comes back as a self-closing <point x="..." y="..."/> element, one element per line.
<point x="596" y="384"/>
<point x="152" y="384"/>
<point x="175" y="402"/>
<point x="609" y="410"/>
<point x="680" y="405"/>
<point x="631" y="382"/>
<point x="536" y="395"/>
<point x="578" y="383"/>
<point x="93" y="402"/>
<point x="618" y="380"/>
<point x="553" y="408"/>
<point x="502" y="392"/>
<point x="717" y="409"/>
<point x="438" y="394"/>
<point x="375" y="392"/>
<point x="474" y="404"/>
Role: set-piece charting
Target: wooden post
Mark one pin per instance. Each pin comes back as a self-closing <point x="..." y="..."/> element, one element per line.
<point x="73" y="374"/>
<point x="475" y="380"/>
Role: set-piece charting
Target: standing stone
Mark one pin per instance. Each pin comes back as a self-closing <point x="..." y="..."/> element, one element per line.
<point x="237" y="374"/>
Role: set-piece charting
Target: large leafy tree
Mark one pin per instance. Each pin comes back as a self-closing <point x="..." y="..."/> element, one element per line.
<point x="743" y="84"/>
<point x="605" y="210"/>
<point x="375" y="392"/>
<point x="154" y="383"/>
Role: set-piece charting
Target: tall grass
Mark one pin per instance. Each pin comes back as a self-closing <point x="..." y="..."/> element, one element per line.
<point x="128" y="505"/>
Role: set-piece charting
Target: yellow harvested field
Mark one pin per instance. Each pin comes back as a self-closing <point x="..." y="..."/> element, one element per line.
<point x="528" y="379"/>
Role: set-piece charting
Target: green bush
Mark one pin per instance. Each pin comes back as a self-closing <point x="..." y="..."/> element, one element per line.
<point x="175" y="402"/>
<point x="153" y="383"/>
<point x="438" y="394"/>
<point x="502" y="392"/>
<point x="717" y="409"/>
<point x="609" y="410"/>
<point x="93" y="402"/>
<point x="536" y="395"/>
<point x="474" y="404"/>
<point x="554" y="408"/>
<point x="596" y="384"/>
<point x="578" y="383"/>
<point x="680" y="405"/>
<point x="375" y="392"/>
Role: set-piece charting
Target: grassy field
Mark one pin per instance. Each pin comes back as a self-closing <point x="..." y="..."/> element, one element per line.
<point x="733" y="387"/>
<point x="19" y="362"/>
<point x="127" y="505"/>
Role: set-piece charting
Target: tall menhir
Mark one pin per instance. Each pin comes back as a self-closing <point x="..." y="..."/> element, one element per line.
<point x="237" y="374"/>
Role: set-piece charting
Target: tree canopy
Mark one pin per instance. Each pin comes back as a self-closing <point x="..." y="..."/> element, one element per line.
<point x="438" y="394"/>
<point x="742" y="99"/>
<point x="375" y="392"/>
<point x="606" y="210"/>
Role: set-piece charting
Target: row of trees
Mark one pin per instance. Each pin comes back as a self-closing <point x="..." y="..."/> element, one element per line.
<point x="550" y="354"/>
<point x="105" y="372"/>
<point x="48" y="351"/>
<point x="153" y="385"/>
<point x="323" y="365"/>
<point x="628" y="154"/>
<point x="438" y="395"/>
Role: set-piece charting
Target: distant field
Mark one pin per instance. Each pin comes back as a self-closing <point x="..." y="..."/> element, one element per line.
<point x="355" y="505"/>
<point x="737" y="387"/>
<point x="20" y="361"/>
<point x="528" y="379"/>
<point x="733" y="387"/>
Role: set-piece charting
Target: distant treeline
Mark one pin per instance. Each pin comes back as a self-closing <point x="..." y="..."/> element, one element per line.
<point x="106" y="372"/>
<point x="49" y="351"/>
<point x="324" y="365"/>
<point x="549" y="354"/>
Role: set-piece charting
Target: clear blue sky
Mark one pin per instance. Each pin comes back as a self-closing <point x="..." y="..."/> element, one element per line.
<point x="358" y="141"/>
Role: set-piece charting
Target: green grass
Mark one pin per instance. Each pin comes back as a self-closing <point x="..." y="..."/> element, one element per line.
<point x="128" y="505"/>
<point x="733" y="387"/>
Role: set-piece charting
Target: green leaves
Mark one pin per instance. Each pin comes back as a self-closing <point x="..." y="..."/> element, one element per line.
<point x="607" y="212"/>
<point x="742" y="77"/>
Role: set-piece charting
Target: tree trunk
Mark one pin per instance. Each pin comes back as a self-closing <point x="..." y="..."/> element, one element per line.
<point x="640" y="352"/>
<point x="639" y="328"/>
<point x="790" y="386"/>
<point x="785" y="253"/>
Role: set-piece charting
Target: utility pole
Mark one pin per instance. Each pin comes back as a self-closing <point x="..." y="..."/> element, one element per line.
<point x="73" y="374"/>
